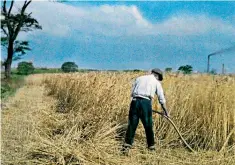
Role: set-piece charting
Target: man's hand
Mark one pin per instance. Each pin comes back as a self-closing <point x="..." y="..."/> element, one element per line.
<point x="166" y="114"/>
<point x="165" y="110"/>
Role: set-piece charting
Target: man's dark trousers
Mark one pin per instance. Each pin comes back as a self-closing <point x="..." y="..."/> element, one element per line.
<point x="140" y="108"/>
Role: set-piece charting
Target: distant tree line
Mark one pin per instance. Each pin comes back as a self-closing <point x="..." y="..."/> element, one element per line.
<point x="25" y="68"/>
<point x="185" y="69"/>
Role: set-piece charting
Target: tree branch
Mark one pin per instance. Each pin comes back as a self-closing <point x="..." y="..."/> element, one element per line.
<point x="7" y="17"/>
<point x="25" y="6"/>
<point x="4" y="7"/>
<point x="17" y="30"/>
<point x="9" y="12"/>
<point x="4" y="30"/>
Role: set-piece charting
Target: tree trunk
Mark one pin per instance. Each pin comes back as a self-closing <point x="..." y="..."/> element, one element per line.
<point x="9" y="60"/>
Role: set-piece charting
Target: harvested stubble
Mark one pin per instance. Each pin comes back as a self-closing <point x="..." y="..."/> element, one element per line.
<point x="88" y="121"/>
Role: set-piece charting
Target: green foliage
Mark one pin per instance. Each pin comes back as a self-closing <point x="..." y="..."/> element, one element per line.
<point x="25" y="68"/>
<point x="69" y="67"/>
<point x="2" y="64"/>
<point x="186" y="69"/>
<point x="20" y="48"/>
<point x="213" y="71"/>
<point x="168" y="69"/>
<point x="47" y="70"/>
<point x="4" y="41"/>
<point x="9" y="86"/>
<point x="130" y="70"/>
<point x="5" y="90"/>
<point x="137" y="70"/>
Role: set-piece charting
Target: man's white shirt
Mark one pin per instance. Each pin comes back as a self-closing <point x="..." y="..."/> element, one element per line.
<point x="146" y="86"/>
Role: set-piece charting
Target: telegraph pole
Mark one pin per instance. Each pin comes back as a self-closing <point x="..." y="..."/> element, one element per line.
<point x="208" y="64"/>
<point x="223" y="70"/>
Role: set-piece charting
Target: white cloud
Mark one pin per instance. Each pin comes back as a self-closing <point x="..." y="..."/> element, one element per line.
<point x="194" y="25"/>
<point x="62" y="20"/>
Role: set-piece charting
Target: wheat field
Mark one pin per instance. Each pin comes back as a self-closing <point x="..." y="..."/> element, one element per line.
<point x="81" y="118"/>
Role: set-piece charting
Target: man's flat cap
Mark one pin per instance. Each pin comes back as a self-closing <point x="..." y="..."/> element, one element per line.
<point x="159" y="72"/>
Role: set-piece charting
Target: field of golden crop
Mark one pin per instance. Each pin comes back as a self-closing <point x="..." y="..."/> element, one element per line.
<point x="81" y="119"/>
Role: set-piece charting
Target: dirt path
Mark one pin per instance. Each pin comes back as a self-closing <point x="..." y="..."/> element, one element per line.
<point x="19" y="119"/>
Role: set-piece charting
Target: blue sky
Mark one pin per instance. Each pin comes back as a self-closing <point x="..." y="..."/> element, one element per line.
<point x="132" y="35"/>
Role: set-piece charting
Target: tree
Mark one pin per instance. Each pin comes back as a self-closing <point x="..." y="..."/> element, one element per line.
<point x="213" y="71"/>
<point x="186" y="69"/>
<point x="137" y="70"/>
<point x="69" y="67"/>
<point x="168" y="69"/>
<point x="25" y="68"/>
<point x="11" y="25"/>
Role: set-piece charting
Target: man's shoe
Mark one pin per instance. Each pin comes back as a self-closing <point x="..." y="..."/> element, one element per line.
<point x="125" y="149"/>
<point x="152" y="148"/>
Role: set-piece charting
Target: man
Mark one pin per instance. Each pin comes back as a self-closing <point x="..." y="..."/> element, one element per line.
<point x="143" y="91"/>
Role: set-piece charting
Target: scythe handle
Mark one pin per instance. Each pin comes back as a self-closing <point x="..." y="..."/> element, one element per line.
<point x="177" y="130"/>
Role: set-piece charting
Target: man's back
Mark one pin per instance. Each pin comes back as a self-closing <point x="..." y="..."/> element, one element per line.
<point x="146" y="86"/>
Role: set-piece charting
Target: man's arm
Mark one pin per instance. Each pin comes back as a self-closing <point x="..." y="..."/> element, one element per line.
<point x="133" y="87"/>
<point x="161" y="98"/>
